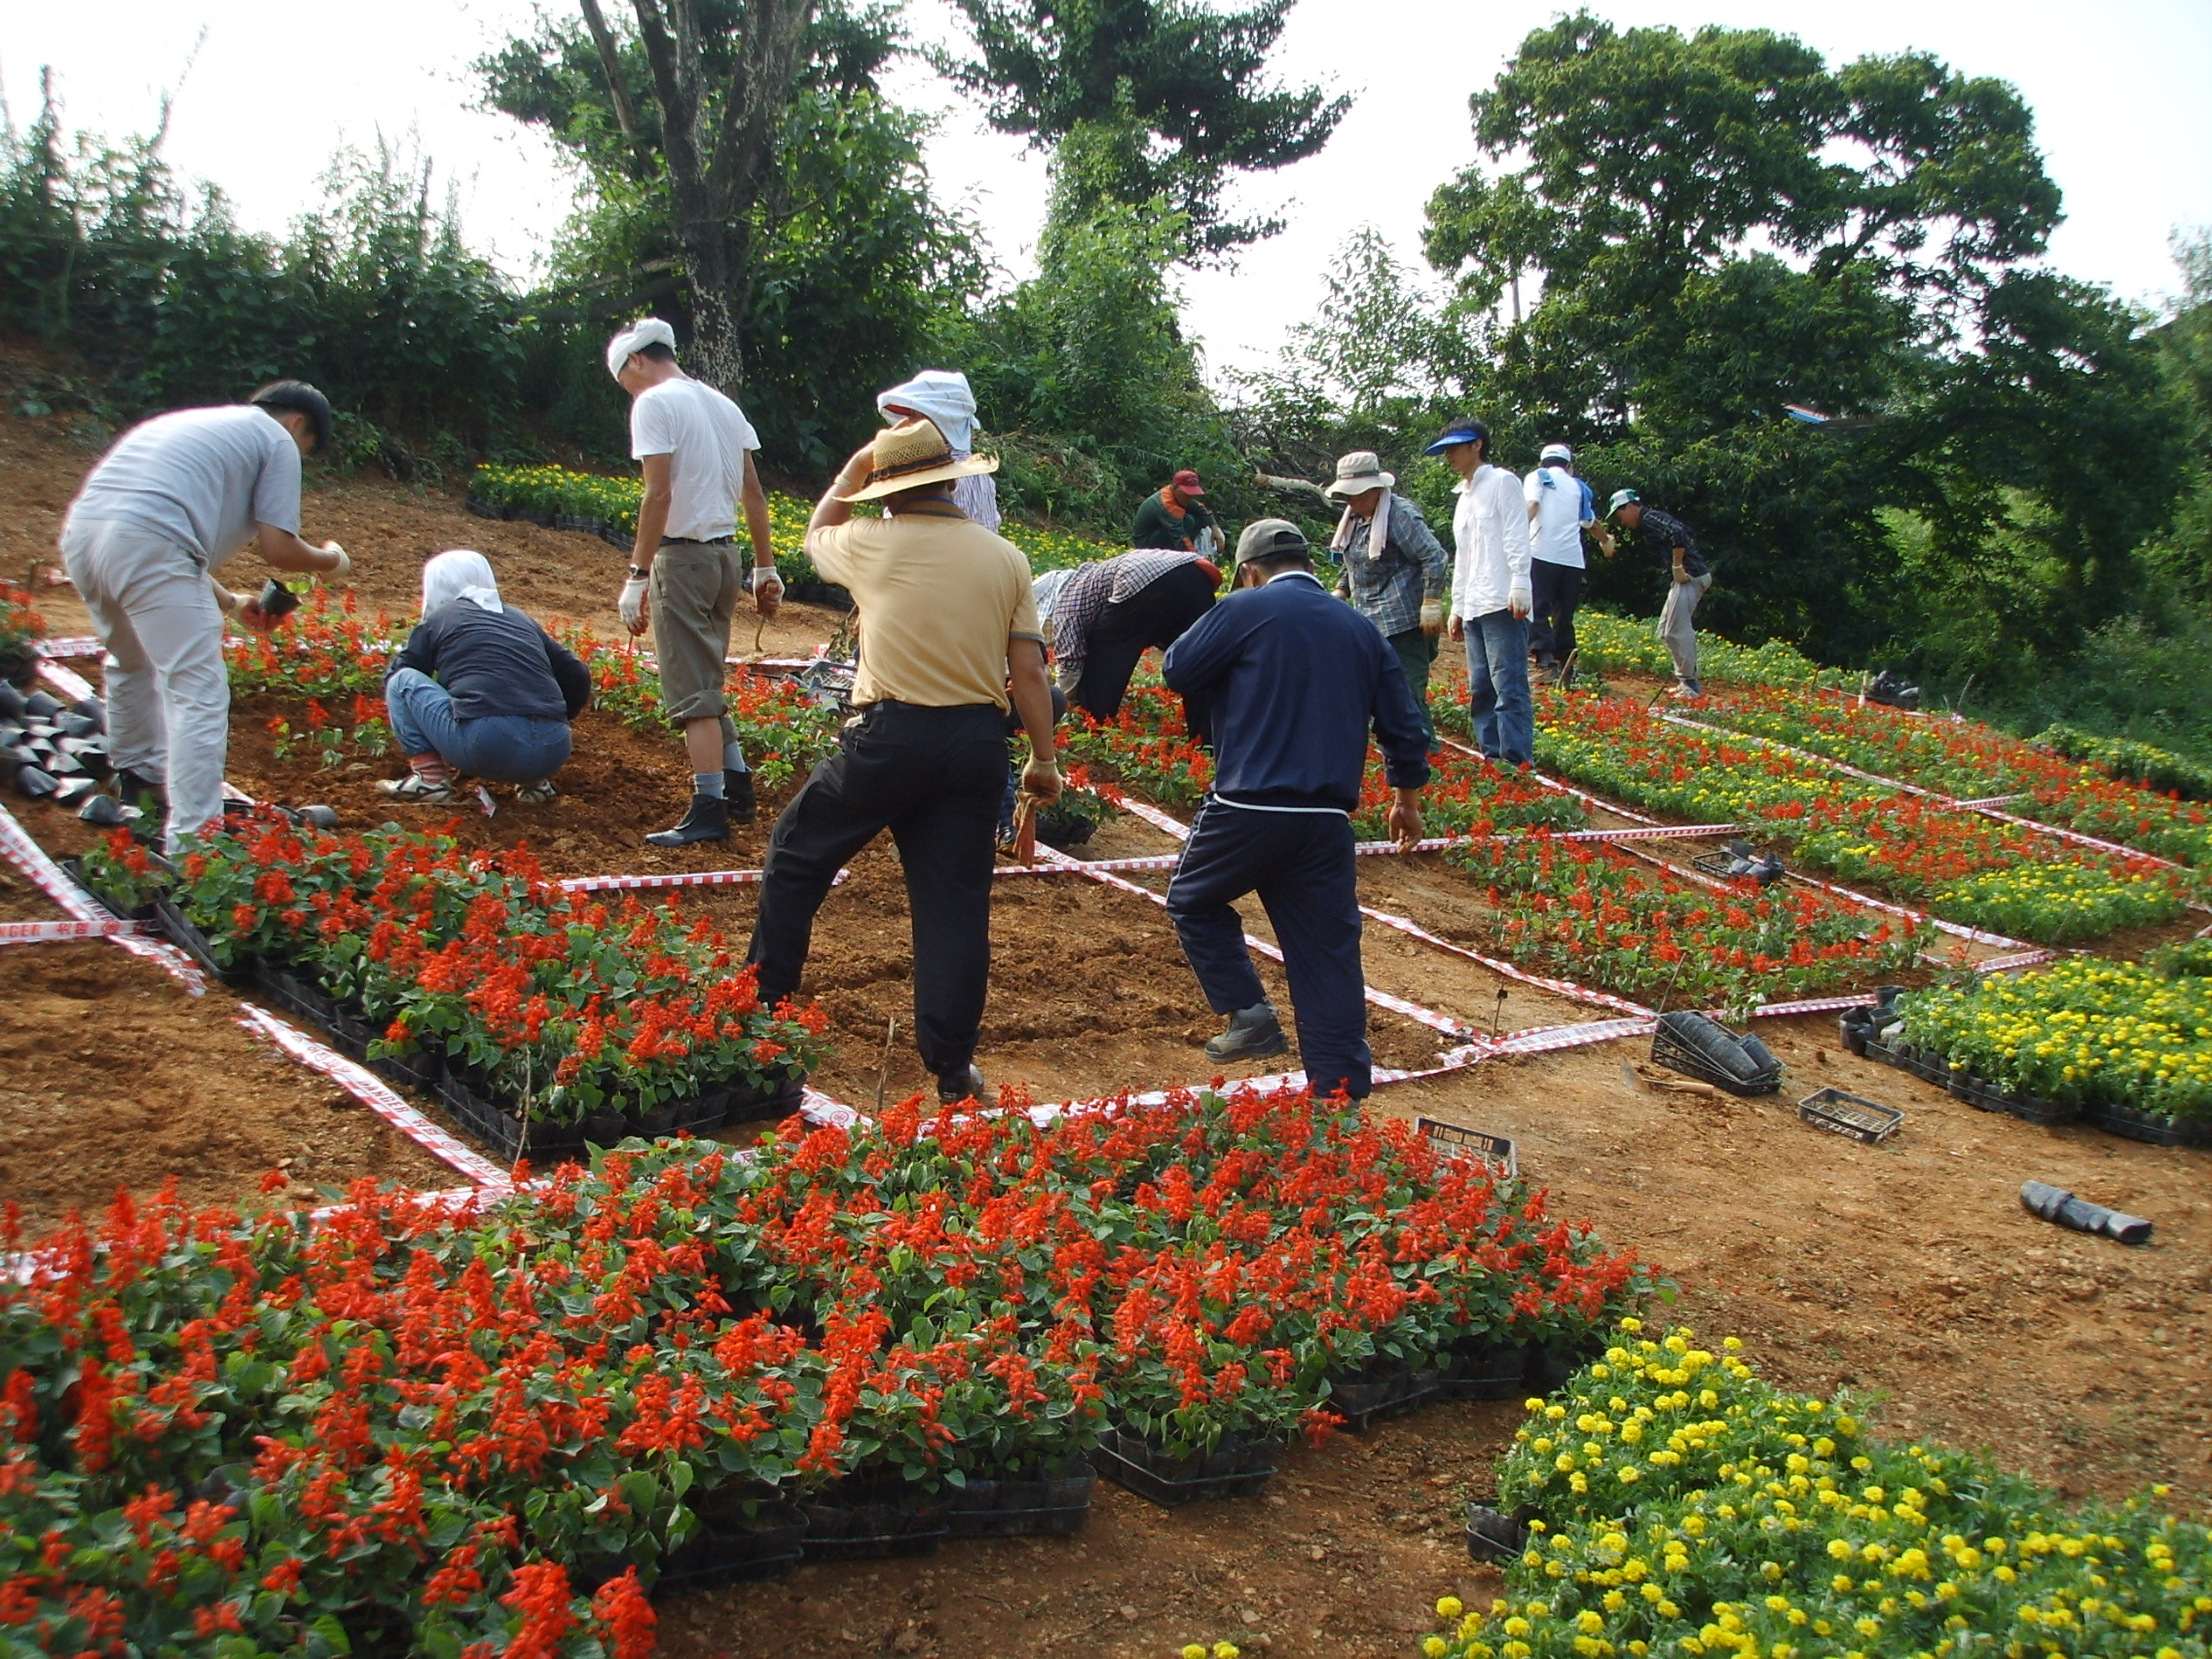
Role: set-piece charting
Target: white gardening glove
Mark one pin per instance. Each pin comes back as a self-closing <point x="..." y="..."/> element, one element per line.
<point x="632" y="604"/>
<point x="1520" y="602"/>
<point x="1432" y="616"/>
<point x="768" y="589"/>
<point x="342" y="569"/>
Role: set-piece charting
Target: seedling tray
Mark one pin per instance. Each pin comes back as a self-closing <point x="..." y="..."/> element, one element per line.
<point x="1932" y="1067"/>
<point x="1492" y="1536"/>
<point x="74" y="868"/>
<point x="1361" y="1400"/>
<point x="2131" y="1124"/>
<point x="1488" y="1371"/>
<point x="739" y="1554"/>
<point x="1239" y="1471"/>
<point x="187" y="938"/>
<point x="1852" y="1116"/>
<point x="873" y="1532"/>
<point x="1021" y="1509"/>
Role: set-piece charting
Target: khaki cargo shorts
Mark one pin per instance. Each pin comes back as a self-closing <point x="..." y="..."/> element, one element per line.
<point x="695" y="592"/>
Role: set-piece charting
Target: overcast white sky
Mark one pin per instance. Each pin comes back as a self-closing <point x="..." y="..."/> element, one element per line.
<point x="2118" y="90"/>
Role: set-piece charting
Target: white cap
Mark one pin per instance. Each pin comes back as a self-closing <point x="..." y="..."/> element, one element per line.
<point x="1556" y="451"/>
<point x="646" y="331"/>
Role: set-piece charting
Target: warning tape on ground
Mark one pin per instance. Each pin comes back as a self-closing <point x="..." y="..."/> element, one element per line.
<point x="1561" y="987"/>
<point x="1380" y="999"/>
<point x="1984" y="808"/>
<point x="41" y="933"/>
<point x="70" y="684"/>
<point x="678" y="879"/>
<point x="371" y="1092"/>
<point x="75" y="645"/>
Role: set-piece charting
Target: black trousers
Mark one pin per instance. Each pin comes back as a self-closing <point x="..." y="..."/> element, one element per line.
<point x="932" y="777"/>
<point x="1557" y="591"/>
<point x="1301" y="864"/>
<point x="1157" y="615"/>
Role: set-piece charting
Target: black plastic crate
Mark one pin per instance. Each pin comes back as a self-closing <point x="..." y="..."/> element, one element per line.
<point x="186" y="936"/>
<point x="2131" y="1124"/>
<point x="1675" y="1045"/>
<point x="1368" y="1398"/>
<point x="1486" y="1371"/>
<point x="1021" y="1509"/>
<point x="873" y="1532"/>
<point x="1852" y="1116"/>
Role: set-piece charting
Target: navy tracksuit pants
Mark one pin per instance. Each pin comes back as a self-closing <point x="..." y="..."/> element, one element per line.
<point x="1302" y="865"/>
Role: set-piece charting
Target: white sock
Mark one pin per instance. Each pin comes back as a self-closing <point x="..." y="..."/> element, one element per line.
<point x="733" y="758"/>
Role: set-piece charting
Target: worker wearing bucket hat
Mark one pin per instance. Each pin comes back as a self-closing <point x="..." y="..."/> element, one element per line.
<point x="951" y="643"/>
<point x="1291" y="682"/>
<point x="1396" y="571"/>
<point x="1491" y="596"/>
<point x="1668" y="538"/>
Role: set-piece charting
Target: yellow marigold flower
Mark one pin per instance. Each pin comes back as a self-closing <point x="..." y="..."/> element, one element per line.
<point x="1193" y="1650"/>
<point x="1436" y="1647"/>
<point x="1225" y="1651"/>
<point x="1449" y="1608"/>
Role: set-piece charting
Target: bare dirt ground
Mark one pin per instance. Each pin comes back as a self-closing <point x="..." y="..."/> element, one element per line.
<point x="1909" y="1271"/>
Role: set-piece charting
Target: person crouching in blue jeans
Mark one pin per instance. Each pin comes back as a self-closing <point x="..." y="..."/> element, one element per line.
<point x="1491" y="598"/>
<point x="481" y="689"/>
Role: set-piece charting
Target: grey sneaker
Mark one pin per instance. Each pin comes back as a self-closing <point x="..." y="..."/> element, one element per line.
<point x="420" y="790"/>
<point x="1253" y="1034"/>
<point x="538" y="794"/>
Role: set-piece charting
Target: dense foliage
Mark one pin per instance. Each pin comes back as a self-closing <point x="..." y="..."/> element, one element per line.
<point x="1686" y="1505"/>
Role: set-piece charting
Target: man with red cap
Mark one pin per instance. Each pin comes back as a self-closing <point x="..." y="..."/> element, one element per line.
<point x="1176" y="519"/>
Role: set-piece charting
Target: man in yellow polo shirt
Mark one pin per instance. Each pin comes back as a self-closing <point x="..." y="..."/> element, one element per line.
<point x="950" y="638"/>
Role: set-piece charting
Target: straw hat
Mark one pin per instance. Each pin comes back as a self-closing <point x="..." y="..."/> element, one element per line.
<point x="1357" y="473"/>
<point x="910" y="455"/>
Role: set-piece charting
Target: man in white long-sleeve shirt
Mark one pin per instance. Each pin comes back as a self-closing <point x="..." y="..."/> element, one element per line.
<point x="1490" y="593"/>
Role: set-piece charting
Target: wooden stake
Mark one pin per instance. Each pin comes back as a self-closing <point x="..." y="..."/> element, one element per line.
<point x="883" y="1072"/>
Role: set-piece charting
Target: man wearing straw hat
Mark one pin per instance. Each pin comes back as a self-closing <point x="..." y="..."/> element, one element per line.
<point x="1396" y="571"/>
<point x="952" y="640"/>
<point x="695" y="448"/>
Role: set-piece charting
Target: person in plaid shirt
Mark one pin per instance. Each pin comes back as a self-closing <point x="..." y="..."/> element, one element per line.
<point x="1107" y="613"/>
<point x="1396" y="571"/>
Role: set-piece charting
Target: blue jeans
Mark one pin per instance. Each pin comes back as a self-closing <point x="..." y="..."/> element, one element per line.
<point x="1498" y="687"/>
<point x="499" y="749"/>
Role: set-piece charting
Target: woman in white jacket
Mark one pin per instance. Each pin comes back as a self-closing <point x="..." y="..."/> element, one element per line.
<point x="1490" y="593"/>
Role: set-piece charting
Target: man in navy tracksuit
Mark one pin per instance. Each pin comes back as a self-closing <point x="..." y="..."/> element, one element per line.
<point x="1287" y="681"/>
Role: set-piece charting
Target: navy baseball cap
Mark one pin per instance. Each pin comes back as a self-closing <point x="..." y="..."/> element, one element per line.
<point x="1467" y="431"/>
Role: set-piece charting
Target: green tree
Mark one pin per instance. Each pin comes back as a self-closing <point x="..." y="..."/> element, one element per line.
<point x="1721" y="223"/>
<point x="816" y="270"/>
<point x="1145" y="99"/>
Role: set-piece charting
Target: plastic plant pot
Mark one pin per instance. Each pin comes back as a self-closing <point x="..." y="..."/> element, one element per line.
<point x="1235" y="1468"/>
<point x="872" y="1528"/>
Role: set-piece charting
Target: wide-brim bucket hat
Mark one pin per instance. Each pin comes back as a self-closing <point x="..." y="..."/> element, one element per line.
<point x="1357" y="473"/>
<point x="910" y="455"/>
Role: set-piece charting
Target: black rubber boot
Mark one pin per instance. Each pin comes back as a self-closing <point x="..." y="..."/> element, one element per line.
<point x="955" y="1086"/>
<point x="706" y="819"/>
<point x="737" y="794"/>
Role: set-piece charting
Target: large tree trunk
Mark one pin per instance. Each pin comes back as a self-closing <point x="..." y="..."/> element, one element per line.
<point x="720" y="144"/>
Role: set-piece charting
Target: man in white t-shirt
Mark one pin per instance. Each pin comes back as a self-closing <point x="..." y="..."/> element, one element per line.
<point x="1559" y="509"/>
<point x="169" y="505"/>
<point x="695" y="448"/>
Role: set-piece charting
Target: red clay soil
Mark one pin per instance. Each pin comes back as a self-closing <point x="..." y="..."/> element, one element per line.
<point x="1909" y="1271"/>
<point x="113" y="1076"/>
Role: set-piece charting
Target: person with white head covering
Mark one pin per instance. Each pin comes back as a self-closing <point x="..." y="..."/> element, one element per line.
<point x="943" y="397"/>
<point x="695" y="449"/>
<point x="479" y="688"/>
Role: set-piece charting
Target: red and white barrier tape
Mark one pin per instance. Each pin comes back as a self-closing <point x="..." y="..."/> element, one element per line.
<point x="371" y="1092"/>
<point x="75" y="645"/>
<point x="42" y="932"/>
<point x="1561" y="987"/>
<point x="1380" y="999"/>
<point x="1982" y="808"/>
<point x="69" y="683"/>
<point x="679" y="879"/>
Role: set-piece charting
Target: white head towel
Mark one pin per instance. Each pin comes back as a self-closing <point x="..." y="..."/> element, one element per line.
<point x="646" y="331"/>
<point x="457" y="576"/>
<point x="942" y="395"/>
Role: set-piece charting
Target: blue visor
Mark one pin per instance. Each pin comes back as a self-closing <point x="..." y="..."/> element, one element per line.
<point x="1456" y="435"/>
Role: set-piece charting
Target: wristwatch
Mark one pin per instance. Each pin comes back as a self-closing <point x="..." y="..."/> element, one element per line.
<point x="637" y="572"/>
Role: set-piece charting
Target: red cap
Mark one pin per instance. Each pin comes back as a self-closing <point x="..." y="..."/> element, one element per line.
<point x="1187" y="481"/>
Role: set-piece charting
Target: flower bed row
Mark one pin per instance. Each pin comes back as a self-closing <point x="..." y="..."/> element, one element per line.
<point x="607" y="506"/>
<point x="1601" y="917"/>
<point x="1621" y="644"/>
<point x="2084" y="1032"/>
<point x="564" y="1012"/>
<point x="1965" y="867"/>
<point x="1148" y="747"/>
<point x="278" y="1436"/>
<point x="1973" y="762"/>
<point x="2130" y="762"/>
<point x="1677" y="1503"/>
